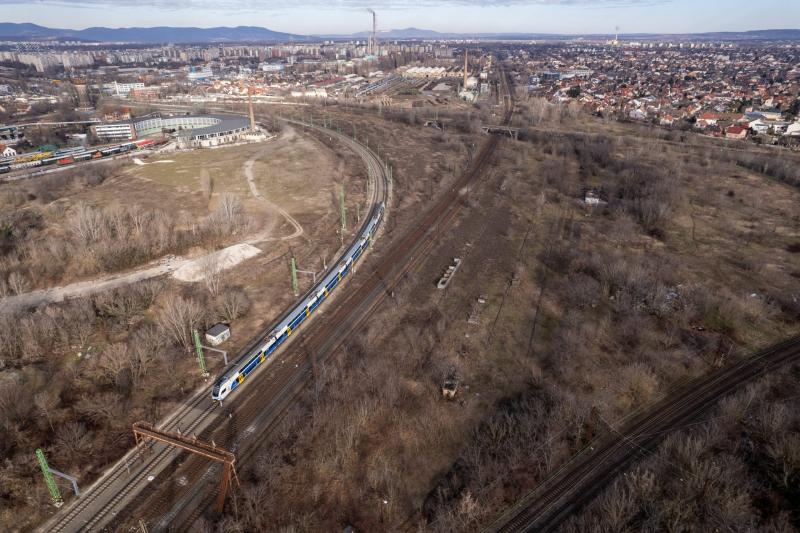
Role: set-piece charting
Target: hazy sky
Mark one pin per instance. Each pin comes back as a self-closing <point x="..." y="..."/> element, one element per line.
<point x="346" y="16"/>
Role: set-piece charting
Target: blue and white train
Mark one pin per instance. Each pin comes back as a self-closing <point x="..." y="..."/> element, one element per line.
<point x="236" y="375"/>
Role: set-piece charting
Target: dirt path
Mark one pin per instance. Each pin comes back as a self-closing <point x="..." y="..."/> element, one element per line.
<point x="251" y="182"/>
<point x="181" y="268"/>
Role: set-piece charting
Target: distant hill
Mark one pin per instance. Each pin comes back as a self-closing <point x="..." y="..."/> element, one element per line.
<point x="416" y="33"/>
<point x="406" y="33"/>
<point x="167" y="34"/>
<point x="161" y="34"/>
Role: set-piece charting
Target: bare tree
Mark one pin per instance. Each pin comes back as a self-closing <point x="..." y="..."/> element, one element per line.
<point x="86" y="223"/>
<point x="232" y="303"/>
<point x="47" y="402"/>
<point x="113" y="361"/>
<point x="212" y="273"/>
<point x="104" y="408"/>
<point x="72" y="440"/>
<point x="178" y="317"/>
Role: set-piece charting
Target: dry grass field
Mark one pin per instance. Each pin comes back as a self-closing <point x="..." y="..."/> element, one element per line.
<point x="589" y="314"/>
<point x="73" y="376"/>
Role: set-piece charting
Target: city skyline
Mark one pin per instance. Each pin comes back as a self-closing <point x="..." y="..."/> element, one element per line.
<point x="532" y="16"/>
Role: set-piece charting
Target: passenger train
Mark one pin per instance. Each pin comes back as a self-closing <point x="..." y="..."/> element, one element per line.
<point x="236" y="375"/>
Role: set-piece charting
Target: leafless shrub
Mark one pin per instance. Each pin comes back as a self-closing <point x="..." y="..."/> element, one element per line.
<point x="18" y="282"/>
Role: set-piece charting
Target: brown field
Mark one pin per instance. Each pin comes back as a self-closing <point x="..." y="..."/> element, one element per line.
<point x="688" y="266"/>
<point x="83" y="371"/>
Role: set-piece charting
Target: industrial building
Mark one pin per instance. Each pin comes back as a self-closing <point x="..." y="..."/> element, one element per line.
<point x="192" y="130"/>
<point x="115" y="131"/>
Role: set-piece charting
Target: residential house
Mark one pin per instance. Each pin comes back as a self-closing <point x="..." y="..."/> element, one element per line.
<point x="7" y="151"/>
<point x="736" y="132"/>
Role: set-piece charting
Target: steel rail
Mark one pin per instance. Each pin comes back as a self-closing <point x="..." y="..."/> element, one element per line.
<point x="66" y="519"/>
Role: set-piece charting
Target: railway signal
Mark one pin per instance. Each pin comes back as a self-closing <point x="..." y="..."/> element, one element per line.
<point x="55" y="495"/>
<point x="200" y="357"/>
<point x="343" y="209"/>
<point x="295" y="287"/>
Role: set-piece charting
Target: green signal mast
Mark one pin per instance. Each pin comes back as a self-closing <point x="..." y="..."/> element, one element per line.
<point x="55" y="495"/>
<point x="201" y="359"/>
<point x="343" y="209"/>
<point x="295" y="287"/>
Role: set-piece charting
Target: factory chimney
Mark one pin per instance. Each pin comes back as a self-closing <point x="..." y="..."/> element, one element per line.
<point x="374" y="33"/>
<point x="372" y="46"/>
<point x="250" y="105"/>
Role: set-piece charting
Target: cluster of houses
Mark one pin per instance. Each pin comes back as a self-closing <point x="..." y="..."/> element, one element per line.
<point x="724" y="90"/>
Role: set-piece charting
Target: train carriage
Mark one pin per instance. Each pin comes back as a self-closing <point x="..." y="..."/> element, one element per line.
<point x="236" y="375"/>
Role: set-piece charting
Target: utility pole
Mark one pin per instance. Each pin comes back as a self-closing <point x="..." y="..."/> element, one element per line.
<point x="343" y="210"/>
<point x="55" y="495"/>
<point x="295" y="288"/>
<point x="200" y="357"/>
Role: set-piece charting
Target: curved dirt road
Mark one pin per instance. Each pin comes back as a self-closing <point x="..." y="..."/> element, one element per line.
<point x="228" y="256"/>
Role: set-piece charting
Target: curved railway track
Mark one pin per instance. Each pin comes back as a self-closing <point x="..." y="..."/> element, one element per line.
<point x="106" y="497"/>
<point x="577" y="482"/>
<point x="318" y="342"/>
<point x="162" y="505"/>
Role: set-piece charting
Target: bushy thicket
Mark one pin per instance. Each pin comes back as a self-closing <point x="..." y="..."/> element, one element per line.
<point x="90" y="240"/>
<point x="737" y="470"/>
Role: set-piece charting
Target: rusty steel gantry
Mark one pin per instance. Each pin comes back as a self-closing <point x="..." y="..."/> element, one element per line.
<point x="143" y="431"/>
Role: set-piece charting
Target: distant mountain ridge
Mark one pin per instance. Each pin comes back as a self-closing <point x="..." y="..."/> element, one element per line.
<point x="168" y="34"/>
<point x="158" y="34"/>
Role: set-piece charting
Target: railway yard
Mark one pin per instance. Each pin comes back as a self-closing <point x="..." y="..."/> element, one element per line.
<point x="610" y="285"/>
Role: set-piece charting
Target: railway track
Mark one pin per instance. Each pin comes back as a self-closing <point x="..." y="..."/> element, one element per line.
<point x="577" y="482"/>
<point x="318" y="342"/>
<point x="133" y="474"/>
<point x="176" y="509"/>
<point x="253" y="417"/>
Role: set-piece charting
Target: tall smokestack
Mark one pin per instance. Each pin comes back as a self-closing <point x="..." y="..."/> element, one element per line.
<point x="374" y="33"/>
<point x="466" y="57"/>
<point x="372" y="45"/>
<point x="250" y="104"/>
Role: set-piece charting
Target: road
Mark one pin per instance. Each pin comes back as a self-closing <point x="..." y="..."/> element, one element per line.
<point x="100" y="503"/>
<point x="577" y="482"/>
